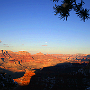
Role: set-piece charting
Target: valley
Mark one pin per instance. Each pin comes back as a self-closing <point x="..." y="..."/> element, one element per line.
<point x="22" y="65"/>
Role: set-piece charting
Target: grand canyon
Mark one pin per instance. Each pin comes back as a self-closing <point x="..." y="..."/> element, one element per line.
<point x="23" y="67"/>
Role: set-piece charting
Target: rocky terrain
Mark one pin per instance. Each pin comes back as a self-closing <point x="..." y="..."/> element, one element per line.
<point x="64" y="76"/>
<point x="22" y="66"/>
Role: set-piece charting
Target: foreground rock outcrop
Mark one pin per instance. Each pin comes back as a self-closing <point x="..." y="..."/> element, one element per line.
<point x="25" y="80"/>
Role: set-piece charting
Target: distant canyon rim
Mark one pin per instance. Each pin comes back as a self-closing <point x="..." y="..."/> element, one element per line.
<point x="23" y="61"/>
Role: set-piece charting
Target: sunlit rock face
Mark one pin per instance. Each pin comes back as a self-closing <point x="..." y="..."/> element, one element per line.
<point x="25" y="80"/>
<point x="0" y="51"/>
<point x="39" y="53"/>
<point x="11" y="61"/>
<point x="21" y="56"/>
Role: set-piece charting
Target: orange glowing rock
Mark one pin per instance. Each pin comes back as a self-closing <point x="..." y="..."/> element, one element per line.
<point x="25" y="80"/>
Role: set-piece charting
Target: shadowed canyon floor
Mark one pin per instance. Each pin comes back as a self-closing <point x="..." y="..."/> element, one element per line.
<point x="24" y="67"/>
<point x="64" y="76"/>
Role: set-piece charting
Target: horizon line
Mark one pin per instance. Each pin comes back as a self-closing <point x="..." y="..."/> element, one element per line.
<point x="43" y="53"/>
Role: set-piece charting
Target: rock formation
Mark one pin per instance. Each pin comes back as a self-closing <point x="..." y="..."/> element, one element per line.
<point x="25" y="80"/>
<point x="23" y="61"/>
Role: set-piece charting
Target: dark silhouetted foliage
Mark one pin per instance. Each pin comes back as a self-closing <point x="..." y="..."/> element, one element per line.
<point x="67" y="5"/>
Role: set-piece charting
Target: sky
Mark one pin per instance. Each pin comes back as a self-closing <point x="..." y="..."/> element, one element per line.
<point x="30" y="25"/>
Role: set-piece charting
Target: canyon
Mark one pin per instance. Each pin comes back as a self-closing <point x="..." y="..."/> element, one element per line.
<point x="24" y="62"/>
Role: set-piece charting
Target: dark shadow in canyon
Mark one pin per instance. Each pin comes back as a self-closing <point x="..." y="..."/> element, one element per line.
<point x="12" y="74"/>
<point x="56" y="77"/>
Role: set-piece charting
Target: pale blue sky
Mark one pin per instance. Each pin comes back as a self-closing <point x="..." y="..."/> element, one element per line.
<point x="29" y="24"/>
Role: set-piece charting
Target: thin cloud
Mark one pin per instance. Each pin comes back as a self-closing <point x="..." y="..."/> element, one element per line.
<point x="44" y="45"/>
<point x="0" y="41"/>
<point x="5" y="44"/>
<point x="22" y="44"/>
<point x="8" y="46"/>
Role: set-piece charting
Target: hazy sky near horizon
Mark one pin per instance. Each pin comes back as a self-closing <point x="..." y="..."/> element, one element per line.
<point x="31" y="25"/>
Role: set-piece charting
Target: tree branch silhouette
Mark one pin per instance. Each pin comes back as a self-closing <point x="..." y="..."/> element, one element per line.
<point x="68" y="5"/>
